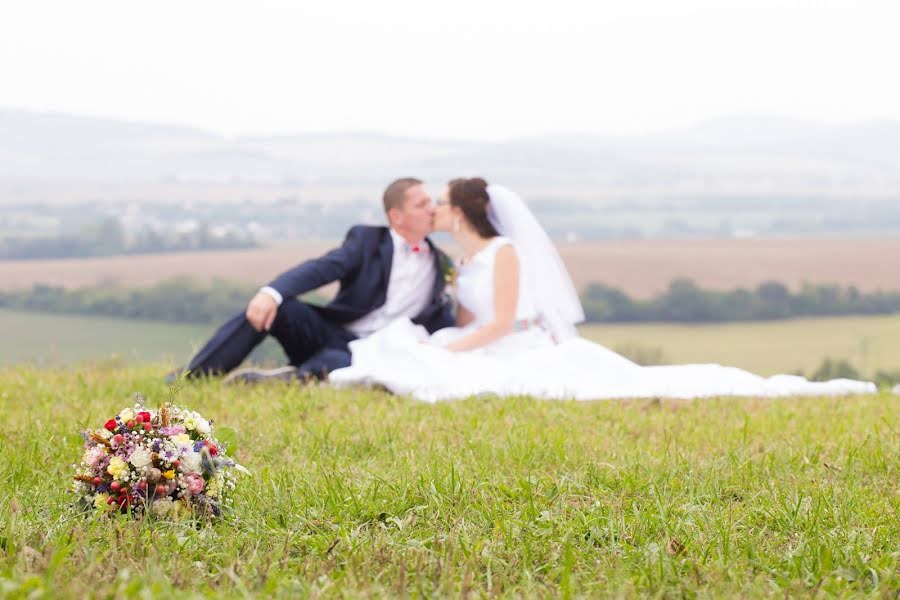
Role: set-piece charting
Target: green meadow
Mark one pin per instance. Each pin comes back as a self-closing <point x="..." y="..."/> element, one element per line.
<point x="51" y="340"/>
<point x="871" y="344"/>
<point x="358" y="493"/>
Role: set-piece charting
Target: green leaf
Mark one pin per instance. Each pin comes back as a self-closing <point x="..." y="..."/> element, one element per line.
<point x="229" y="438"/>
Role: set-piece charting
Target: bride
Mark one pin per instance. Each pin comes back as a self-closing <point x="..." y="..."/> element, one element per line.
<point x="515" y="334"/>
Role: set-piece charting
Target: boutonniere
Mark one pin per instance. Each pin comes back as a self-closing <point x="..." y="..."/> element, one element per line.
<point x="449" y="271"/>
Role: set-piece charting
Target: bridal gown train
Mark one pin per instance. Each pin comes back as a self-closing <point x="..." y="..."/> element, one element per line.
<point x="404" y="359"/>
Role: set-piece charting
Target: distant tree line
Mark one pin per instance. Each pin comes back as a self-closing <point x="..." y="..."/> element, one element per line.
<point x="832" y="368"/>
<point x="108" y="237"/>
<point x="185" y="300"/>
<point x="686" y="302"/>
<point x="179" y="300"/>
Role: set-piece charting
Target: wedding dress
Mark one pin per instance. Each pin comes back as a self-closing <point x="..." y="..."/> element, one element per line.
<point x="543" y="357"/>
<point x="403" y="358"/>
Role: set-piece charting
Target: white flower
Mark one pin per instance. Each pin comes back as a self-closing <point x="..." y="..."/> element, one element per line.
<point x="163" y="507"/>
<point x="203" y="426"/>
<point x="190" y="423"/>
<point x="190" y="462"/>
<point x="126" y="415"/>
<point x="140" y="458"/>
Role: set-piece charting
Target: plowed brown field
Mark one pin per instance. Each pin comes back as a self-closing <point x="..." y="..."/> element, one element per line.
<point x="641" y="267"/>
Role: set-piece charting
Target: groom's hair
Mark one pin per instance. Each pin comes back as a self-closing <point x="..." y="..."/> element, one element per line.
<point x="395" y="193"/>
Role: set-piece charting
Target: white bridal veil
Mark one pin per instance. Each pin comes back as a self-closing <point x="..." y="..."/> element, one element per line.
<point x="555" y="297"/>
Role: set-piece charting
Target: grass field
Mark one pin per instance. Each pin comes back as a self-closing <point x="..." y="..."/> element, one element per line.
<point x="51" y="340"/>
<point x="768" y="347"/>
<point x="44" y="339"/>
<point x="361" y="494"/>
<point x="869" y="343"/>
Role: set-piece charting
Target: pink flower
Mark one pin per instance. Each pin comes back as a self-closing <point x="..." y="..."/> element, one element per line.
<point x="93" y="456"/>
<point x="195" y="483"/>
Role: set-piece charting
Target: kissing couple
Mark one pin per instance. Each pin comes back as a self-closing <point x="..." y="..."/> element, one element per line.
<point x="500" y="320"/>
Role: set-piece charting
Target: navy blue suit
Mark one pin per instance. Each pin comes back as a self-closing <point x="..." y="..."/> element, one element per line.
<point x="314" y="337"/>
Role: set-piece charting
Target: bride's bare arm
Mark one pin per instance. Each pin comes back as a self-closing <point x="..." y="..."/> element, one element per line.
<point x="506" y="295"/>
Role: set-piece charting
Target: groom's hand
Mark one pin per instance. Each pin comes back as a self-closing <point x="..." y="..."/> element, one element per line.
<point x="261" y="311"/>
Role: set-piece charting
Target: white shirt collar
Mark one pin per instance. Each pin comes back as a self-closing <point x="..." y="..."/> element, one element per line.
<point x="399" y="240"/>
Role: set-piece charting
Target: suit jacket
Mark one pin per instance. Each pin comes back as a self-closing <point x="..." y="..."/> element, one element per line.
<point x="362" y="265"/>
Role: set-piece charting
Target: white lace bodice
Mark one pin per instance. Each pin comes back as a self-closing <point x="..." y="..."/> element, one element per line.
<point x="475" y="284"/>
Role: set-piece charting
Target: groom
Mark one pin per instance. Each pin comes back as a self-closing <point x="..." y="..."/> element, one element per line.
<point x="384" y="273"/>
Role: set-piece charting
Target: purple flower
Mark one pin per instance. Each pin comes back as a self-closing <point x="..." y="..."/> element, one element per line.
<point x="137" y="492"/>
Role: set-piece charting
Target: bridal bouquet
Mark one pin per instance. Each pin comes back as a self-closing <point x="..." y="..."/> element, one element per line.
<point x="164" y="462"/>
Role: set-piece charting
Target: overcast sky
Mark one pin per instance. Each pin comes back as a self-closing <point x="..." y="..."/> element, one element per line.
<point x="461" y="69"/>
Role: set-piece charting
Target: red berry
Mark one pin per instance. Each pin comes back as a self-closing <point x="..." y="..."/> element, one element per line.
<point x="175" y="464"/>
<point x="118" y="438"/>
<point x="139" y="418"/>
<point x="160" y="489"/>
<point x="130" y="424"/>
<point x="97" y="481"/>
<point x="115" y="485"/>
<point x="142" y="484"/>
<point x="213" y="450"/>
<point x="147" y="426"/>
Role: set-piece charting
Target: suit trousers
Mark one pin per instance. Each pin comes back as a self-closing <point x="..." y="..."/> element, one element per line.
<point x="312" y="344"/>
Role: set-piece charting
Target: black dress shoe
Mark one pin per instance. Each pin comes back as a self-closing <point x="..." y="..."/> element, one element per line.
<point x="256" y="375"/>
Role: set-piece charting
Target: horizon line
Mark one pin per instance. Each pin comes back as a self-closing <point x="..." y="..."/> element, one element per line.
<point x="732" y="117"/>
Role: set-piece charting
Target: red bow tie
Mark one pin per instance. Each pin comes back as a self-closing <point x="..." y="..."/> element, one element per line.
<point x="415" y="248"/>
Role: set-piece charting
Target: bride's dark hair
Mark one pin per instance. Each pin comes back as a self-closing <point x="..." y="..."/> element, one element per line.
<point x="471" y="196"/>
